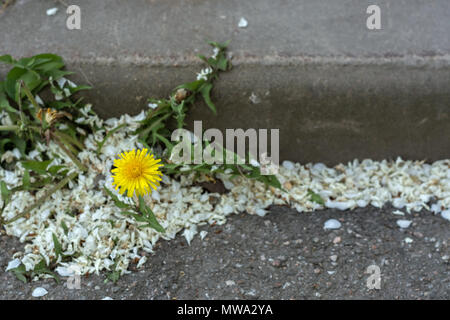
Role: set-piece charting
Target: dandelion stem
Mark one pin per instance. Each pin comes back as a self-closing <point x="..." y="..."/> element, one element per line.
<point x="40" y="201"/>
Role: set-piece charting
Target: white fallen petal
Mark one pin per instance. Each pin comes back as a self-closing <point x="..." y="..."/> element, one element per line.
<point x="243" y="23"/>
<point x="39" y="292"/>
<point x="13" y="264"/>
<point x="332" y="224"/>
<point x="52" y="11"/>
<point x="446" y="214"/>
<point x="64" y="272"/>
<point x="408" y="240"/>
<point x="404" y="223"/>
<point x="288" y="165"/>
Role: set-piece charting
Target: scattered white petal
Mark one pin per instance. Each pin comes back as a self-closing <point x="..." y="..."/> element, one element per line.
<point x="107" y="298"/>
<point x="254" y="98"/>
<point x="446" y="214"/>
<point x="289" y="165"/>
<point x="52" y="11"/>
<point x="64" y="272"/>
<point x="39" y="100"/>
<point x="39" y="292"/>
<point x="261" y="212"/>
<point x="398" y="212"/>
<point x="332" y="224"/>
<point x="436" y="208"/>
<point x="404" y="223"/>
<point x="254" y="163"/>
<point x="243" y="23"/>
<point x="408" y="240"/>
<point x="13" y="264"/>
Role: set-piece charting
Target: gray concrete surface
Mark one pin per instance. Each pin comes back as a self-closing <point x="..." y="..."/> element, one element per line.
<point x="335" y="89"/>
<point x="284" y="255"/>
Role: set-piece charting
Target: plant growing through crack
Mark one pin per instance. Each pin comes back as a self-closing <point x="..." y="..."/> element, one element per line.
<point x="28" y="121"/>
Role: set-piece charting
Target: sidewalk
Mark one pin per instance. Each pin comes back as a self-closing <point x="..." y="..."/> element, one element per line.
<point x="285" y="255"/>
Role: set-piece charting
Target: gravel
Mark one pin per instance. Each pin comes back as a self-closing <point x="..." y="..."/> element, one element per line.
<point x="285" y="255"/>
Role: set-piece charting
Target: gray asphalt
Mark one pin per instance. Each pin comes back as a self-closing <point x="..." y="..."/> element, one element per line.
<point x="284" y="255"/>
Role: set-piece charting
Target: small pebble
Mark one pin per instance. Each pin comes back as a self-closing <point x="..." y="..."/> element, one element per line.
<point x="276" y="263"/>
<point x="337" y="240"/>
<point x="333" y="258"/>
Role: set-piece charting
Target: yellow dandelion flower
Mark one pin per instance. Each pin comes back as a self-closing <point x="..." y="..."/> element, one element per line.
<point x="136" y="171"/>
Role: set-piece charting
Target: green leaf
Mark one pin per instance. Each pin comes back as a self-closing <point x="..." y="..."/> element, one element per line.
<point x="36" y="166"/>
<point x="222" y="64"/>
<point x="205" y="91"/>
<point x="150" y="217"/>
<point x="26" y="180"/>
<point x="314" y="197"/>
<point x="41" y="268"/>
<point x="114" y="276"/>
<point x="7" y="59"/>
<point x="29" y="77"/>
<point x="20" y="276"/>
<point x="54" y="170"/>
<point x="5" y="192"/>
<point x="20" y="273"/>
<point x="79" y="88"/>
<point x="65" y="228"/>
<point x="117" y="202"/>
<point x="136" y="216"/>
<point x="220" y="45"/>
<point x="57" y="245"/>
<point x="20" y="143"/>
<point x="192" y="86"/>
<point x="4" y="103"/>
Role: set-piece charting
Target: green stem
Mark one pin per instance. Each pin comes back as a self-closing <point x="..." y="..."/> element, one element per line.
<point x="16" y="128"/>
<point x="70" y="139"/>
<point x="29" y="95"/>
<point x="9" y="128"/>
<point x="69" y="153"/>
<point x="40" y="201"/>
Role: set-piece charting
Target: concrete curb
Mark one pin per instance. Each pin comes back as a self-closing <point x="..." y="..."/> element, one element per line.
<point x="339" y="94"/>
